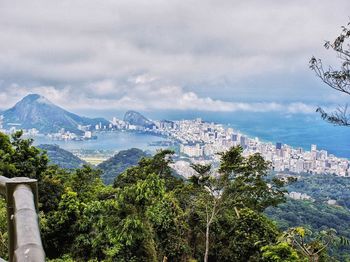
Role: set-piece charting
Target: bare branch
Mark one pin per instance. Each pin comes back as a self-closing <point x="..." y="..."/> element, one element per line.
<point x="339" y="79"/>
<point x="340" y="117"/>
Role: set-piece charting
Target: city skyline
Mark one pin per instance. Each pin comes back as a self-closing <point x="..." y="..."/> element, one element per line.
<point x="200" y="142"/>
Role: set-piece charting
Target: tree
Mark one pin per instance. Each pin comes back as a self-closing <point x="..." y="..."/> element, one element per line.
<point x="314" y="249"/>
<point x="281" y="252"/>
<point x="246" y="179"/>
<point x="3" y="230"/>
<point x="239" y="184"/>
<point x="241" y="238"/>
<point x="150" y="222"/>
<point x="148" y="214"/>
<point x="158" y="164"/>
<point x="19" y="158"/>
<point x="209" y="199"/>
<point x="338" y="79"/>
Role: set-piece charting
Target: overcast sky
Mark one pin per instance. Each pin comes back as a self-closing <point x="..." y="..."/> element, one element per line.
<point x="155" y="55"/>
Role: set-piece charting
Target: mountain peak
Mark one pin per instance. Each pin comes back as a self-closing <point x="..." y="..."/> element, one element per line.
<point x="31" y="97"/>
<point x="36" y="98"/>
<point x="137" y="119"/>
<point x="36" y="111"/>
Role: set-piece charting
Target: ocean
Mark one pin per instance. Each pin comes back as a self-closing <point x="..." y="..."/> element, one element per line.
<point x="297" y="130"/>
<point x="292" y="129"/>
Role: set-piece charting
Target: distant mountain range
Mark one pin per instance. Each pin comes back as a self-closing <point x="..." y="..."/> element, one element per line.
<point x="137" y="119"/>
<point x="35" y="111"/>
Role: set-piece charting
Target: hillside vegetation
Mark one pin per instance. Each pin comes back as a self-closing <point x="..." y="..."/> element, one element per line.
<point x="150" y="215"/>
<point x="61" y="157"/>
<point x="117" y="164"/>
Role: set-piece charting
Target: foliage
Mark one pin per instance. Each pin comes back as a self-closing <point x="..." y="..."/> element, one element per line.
<point x="312" y="248"/>
<point x="19" y="158"/>
<point x="281" y="252"/>
<point x="148" y="214"/>
<point x="240" y="184"/>
<point x="324" y="187"/>
<point x="3" y="230"/>
<point x="315" y="217"/>
<point x="246" y="178"/>
<point x="241" y="238"/>
<point x="158" y="164"/>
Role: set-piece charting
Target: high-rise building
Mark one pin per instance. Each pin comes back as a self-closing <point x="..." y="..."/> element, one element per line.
<point x="243" y="142"/>
<point x="313" y="147"/>
<point x="278" y="145"/>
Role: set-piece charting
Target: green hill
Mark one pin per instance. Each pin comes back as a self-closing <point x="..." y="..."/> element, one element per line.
<point x="61" y="157"/>
<point x="115" y="165"/>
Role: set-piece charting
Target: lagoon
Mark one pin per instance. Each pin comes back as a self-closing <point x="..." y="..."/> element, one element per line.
<point x="111" y="141"/>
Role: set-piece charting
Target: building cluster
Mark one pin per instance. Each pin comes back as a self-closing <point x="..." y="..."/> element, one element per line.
<point x="85" y="134"/>
<point x="199" y="140"/>
<point x="32" y="132"/>
<point x="300" y="196"/>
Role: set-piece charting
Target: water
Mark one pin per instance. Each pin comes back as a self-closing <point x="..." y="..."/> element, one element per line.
<point x="294" y="130"/>
<point x="114" y="141"/>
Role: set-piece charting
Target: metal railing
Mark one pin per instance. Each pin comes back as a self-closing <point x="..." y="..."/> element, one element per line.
<point x="21" y="195"/>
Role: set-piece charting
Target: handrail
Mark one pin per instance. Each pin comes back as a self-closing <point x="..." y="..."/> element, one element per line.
<point x="21" y="195"/>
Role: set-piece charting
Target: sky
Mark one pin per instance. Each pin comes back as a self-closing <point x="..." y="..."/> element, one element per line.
<point x="219" y="56"/>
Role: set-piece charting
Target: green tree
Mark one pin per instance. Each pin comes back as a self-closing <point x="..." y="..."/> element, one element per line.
<point x="162" y="211"/>
<point x="240" y="238"/>
<point x="18" y="158"/>
<point x="140" y="219"/>
<point x="149" y="214"/>
<point x="3" y="230"/>
<point x="246" y="180"/>
<point x="208" y="198"/>
<point x="281" y="252"/>
<point x="158" y="164"/>
<point x="314" y="249"/>
<point x="241" y="183"/>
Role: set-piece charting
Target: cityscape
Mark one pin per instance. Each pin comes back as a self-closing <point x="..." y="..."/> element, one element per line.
<point x="198" y="141"/>
<point x="175" y="131"/>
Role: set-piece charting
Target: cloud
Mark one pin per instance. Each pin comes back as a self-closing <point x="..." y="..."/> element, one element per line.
<point x="147" y="95"/>
<point x="95" y="47"/>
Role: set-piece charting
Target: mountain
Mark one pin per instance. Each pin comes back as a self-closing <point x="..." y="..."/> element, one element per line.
<point x="115" y="165"/>
<point x="61" y="157"/>
<point x="137" y="119"/>
<point x="35" y="111"/>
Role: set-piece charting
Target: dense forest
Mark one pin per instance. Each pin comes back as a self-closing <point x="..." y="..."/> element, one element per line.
<point x="147" y="214"/>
